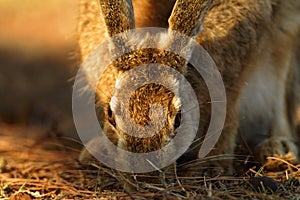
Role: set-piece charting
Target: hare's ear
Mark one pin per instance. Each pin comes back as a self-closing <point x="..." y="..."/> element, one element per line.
<point x="188" y="15"/>
<point x="118" y="15"/>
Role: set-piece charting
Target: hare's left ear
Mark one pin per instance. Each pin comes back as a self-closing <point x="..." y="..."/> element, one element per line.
<point x="185" y="23"/>
<point x="188" y="15"/>
<point x="118" y="15"/>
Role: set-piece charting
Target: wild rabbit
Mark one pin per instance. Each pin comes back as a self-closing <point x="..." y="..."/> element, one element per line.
<point x="254" y="44"/>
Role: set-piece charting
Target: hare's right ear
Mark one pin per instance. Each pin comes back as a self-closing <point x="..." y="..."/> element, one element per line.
<point x="118" y="15"/>
<point x="188" y="15"/>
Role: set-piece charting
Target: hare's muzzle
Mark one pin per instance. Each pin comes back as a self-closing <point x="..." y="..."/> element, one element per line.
<point x="150" y="120"/>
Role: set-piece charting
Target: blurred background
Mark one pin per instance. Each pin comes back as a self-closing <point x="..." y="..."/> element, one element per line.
<point x="38" y="60"/>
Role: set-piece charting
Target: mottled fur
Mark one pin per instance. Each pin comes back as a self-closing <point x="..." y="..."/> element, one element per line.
<point x="253" y="44"/>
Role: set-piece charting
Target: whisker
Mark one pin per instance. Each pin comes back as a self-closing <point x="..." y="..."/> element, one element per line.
<point x="208" y="158"/>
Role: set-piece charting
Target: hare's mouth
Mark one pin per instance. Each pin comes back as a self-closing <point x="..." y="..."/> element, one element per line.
<point x="144" y="145"/>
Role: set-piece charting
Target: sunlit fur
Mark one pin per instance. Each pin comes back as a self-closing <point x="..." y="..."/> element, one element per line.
<point x="253" y="44"/>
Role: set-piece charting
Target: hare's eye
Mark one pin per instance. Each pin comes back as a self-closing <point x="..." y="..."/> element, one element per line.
<point x="177" y="121"/>
<point x="111" y="117"/>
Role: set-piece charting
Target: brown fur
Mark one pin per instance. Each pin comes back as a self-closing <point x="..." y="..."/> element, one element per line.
<point x="253" y="44"/>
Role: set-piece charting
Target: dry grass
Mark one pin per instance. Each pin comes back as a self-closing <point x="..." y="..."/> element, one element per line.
<point x="32" y="169"/>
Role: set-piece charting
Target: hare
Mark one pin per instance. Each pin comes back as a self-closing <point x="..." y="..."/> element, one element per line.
<point x="254" y="44"/>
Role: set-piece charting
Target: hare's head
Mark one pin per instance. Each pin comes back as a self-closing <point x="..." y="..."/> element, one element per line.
<point x="139" y="101"/>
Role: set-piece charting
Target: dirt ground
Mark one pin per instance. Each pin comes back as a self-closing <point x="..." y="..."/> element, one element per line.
<point x="38" y="143"/>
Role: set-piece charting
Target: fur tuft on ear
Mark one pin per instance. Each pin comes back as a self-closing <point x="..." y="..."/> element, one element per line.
<point x="118" y="15"/>
<point x="188" y="15"/>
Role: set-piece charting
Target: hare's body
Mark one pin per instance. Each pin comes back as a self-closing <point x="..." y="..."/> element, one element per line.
<point x="253" y="44"/>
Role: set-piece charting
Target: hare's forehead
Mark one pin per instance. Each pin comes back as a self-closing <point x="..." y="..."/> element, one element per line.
<point x="142" y="105"/>
<point x="144" y="97"/>
<point x="146" y="85"/>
